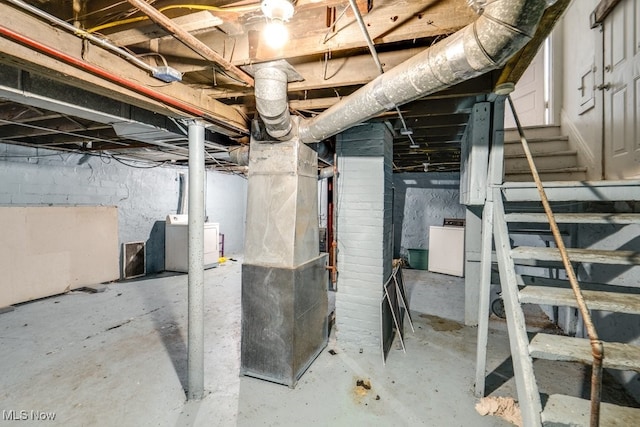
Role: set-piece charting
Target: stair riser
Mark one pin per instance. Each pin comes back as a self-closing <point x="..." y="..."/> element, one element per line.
<point x="533" y="132"/>
<point x="551" y="146"/>
<point x="546" y="162"/>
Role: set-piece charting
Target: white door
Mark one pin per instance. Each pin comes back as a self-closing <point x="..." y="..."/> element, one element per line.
<point x="622" y="91"/>
<point x="528" y="97"/>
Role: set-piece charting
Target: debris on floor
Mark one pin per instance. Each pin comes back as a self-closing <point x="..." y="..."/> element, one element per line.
<point x="503" y="407"/>
<point x="362" y="387"/>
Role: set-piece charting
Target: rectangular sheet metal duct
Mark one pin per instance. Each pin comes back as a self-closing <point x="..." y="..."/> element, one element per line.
<point x="284" y="277"/>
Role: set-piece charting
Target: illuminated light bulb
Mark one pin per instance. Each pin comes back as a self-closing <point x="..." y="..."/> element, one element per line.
<point x="275" y="34"/>
<point x="277" y="13"/>
<point x="277" y="9"/>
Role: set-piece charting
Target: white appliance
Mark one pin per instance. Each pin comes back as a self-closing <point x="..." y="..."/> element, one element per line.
<point x="176" y="246"/>
<point x="446" y="250"/>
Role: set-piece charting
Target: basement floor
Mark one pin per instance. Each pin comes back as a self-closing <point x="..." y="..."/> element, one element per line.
<point x="119" y="358"/>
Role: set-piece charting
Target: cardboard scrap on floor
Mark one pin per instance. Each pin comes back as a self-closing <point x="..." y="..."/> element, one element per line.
<point x="503" y="407"/>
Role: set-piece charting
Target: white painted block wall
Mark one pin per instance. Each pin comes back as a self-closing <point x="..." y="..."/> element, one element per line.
<point x="423" y="200"/>
<point x="144" y="197"/>
<point x="364" y="232"/>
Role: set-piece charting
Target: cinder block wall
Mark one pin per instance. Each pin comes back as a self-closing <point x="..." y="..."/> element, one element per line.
<point x="365" y="208"/>
<point x="422" y="200"/>
<point x="144" y="197"/>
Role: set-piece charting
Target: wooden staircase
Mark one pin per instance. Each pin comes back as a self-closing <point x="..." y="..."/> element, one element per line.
<point x="555" y="159"/>
<point x="501" y="218"/>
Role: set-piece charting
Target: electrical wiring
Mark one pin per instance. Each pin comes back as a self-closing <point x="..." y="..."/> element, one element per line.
<point x="226" y="168"/>
<point x="134" y="19"/>
<point x="134" y="166"/>
<point x="57" y="131"/>
<point x="26" y="156"/>
<point x="104" y="9"/>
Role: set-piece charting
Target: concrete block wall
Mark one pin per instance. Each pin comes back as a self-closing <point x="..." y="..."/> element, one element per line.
<point x="423" y="200"/>
<point x="364" y="232"/>
<point x="144" y="197"/>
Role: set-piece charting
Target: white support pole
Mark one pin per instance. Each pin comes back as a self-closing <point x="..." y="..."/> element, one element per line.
<point x="195" y="345"/>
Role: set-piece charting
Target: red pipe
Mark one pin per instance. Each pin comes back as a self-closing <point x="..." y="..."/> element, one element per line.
<point x="157" y="96"/>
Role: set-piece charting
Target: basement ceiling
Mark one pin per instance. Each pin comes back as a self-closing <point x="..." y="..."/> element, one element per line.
<point x="326" y="48"/>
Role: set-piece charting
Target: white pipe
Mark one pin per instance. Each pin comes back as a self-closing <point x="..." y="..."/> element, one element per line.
<point x="365" y="33"/>
<point x="325" y="173"/>
<point x="195" y="344"/>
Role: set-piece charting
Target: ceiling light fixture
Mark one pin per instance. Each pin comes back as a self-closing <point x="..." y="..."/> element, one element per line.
<point x="277" y="13"/>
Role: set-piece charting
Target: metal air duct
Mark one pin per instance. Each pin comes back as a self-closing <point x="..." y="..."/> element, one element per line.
<point x="500" y="31"/>
<point x="271" y="102"/>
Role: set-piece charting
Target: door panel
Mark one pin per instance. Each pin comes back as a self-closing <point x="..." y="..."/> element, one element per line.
<point x="622" y="91"/>
<point x="618" y="104"/>
<point x="528" y="97"/>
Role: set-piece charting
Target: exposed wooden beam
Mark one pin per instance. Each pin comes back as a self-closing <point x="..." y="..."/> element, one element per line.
<point x="333" y="73"/>
<point x="202" y="20"/>
<point x="231" y="121"/>
<point x="189" y="40"/>
<point x="518" y="64"/>
<point x="601" y="11"/>
<point x="388" y="22"/>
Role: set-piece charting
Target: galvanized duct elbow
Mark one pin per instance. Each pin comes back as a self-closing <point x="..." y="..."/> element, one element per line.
<point x="240" y="155"/>
<point x="271" y="102"/>
<point x="500" y="31"/>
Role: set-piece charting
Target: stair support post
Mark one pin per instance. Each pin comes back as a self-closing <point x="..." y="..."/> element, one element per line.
<point x="483" y="300"/>
<point x="528" y="395"/>
<point x="495" y="177"/>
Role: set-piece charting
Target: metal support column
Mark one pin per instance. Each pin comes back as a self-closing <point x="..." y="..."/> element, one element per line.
<point x="195" y="345"/>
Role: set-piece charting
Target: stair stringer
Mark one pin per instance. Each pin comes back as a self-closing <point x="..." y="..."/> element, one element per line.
<point x="528" y="394"/>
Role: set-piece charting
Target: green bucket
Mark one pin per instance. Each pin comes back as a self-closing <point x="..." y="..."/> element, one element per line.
<point x="419" y="259"/>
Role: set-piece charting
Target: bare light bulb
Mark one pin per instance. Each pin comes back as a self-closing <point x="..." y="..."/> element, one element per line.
<point x="275" y="34"/>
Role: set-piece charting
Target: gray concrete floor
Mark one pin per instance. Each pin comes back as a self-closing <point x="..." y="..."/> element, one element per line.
<point x="118" y="358"/>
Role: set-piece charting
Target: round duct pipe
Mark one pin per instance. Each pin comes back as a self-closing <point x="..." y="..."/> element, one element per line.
<point x="503" y="28"/>
<point x="271" y="102"/>
<point x="240" y="155"/>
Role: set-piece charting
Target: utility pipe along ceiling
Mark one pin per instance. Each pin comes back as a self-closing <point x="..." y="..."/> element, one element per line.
<point x="124" y="78"/>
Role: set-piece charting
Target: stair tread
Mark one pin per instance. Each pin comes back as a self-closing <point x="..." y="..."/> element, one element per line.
<point x="574" y="190"/>
<point x="547" y="154"/>
<point x="597" y="256"/>
<point x="573" y="411"/>
<point x="543" y="171"/>
<point x="538" y="139"/>
<point x="569" y="349"/>
<point x="576" y="218"/>
<point x="596" y="300"/>
<point x="532" y="127"/>
<point x="628" y="287"/>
